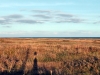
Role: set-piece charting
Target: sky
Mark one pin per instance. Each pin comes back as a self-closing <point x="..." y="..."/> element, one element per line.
<point x="49" y="18"/>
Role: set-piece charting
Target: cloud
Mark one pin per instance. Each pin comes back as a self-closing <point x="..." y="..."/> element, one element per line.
<point x="4" y="21"/>
<point x="14" y="16"/>
<point x="78" y="33"/>
<point x="58" y="17"/>
<point x="9" y="19"/>
<point x="6" y="26"/>
<point x="41" y="11"/>
<point x="23" y="10"/>
<point x="70" y="20"/>
<point x="97" y="22"/>
<point x="65" y="15"/>
<point x="77" y="20"/>
<point x="42" y="16"/>
<point x="29" y="21"/>
<point x="13" y="32"/>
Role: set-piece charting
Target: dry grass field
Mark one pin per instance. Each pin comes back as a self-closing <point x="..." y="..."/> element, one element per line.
<point x="49" y="56"/>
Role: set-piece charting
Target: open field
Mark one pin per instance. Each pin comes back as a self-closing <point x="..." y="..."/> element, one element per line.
<point x="49" y="56"/>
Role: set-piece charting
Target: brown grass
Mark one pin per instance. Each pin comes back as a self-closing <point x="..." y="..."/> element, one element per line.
<point x="62" y="56"/>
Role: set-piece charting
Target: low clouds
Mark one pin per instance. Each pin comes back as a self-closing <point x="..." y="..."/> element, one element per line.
<point x="16" y="16"/>
<point x="69" y="20"/>
<point x="97" y="22"/>
<point x="41" y="16"/>
<point x="29" y="21"/>
<point x="9" y="19"/>
<point x="78" y="33"/>
<point x="77" y="20"/>
<point x="65" y="15"/>
<point x="41" y="11"/>
<point x="4" y="21"/>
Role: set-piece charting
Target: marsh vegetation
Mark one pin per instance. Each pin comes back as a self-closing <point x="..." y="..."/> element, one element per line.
<point x="49" y="56"/>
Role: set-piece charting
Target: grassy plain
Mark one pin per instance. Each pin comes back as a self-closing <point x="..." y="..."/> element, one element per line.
<point x="57" y="56"/>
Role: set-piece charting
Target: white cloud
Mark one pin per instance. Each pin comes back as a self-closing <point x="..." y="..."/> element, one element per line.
<point x="97" y="22"/>
<point x="2" y="19"/>
<point x="41" y="16"/>
<point x="80" y="33"/>
<point x="29" y="21"/>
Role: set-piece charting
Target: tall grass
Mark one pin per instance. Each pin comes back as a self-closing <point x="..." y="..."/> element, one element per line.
<point x="59" y="56"/>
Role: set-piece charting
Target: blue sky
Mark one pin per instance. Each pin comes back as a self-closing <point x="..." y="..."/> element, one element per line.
<point x="49" y="18"/>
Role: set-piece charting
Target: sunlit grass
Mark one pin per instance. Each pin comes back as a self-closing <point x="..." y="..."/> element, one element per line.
<point x="63" y="53"/>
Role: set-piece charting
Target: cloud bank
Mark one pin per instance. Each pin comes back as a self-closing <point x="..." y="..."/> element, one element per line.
<point x="41" y="16"/>
<point x="79" y="33"/>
